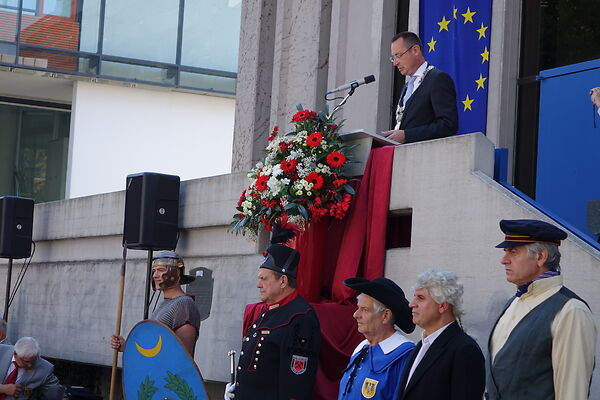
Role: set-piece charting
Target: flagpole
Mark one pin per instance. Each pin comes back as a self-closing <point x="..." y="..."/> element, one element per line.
<point x="113" y="376"/>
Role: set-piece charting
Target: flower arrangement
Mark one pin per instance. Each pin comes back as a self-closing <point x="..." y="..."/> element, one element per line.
<point x="300" y="178"/>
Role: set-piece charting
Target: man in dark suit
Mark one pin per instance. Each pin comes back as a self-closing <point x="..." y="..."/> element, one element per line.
<point x="23" y="371"/>
<point x="427" y="106"/>
<point x="447" y="363"/>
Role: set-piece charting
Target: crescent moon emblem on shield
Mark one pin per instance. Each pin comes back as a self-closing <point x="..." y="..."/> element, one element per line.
<point x="152" y="352"/>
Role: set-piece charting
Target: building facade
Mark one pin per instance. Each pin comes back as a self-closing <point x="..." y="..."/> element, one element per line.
<point x="290" y="52"/>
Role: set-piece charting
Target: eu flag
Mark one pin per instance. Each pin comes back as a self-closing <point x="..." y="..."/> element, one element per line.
<point x="456" y="39"/>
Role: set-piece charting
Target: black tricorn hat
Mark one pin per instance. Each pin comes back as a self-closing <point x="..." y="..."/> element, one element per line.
<point x="390" y="295"/>
<point x="279" y="257"/>
<point x="519" y="232"/>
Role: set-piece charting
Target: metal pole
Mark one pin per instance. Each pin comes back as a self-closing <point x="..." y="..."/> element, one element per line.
<point x="113" y="376"/>
<point x="7" y="295"/>
<point x="148" y="283"/>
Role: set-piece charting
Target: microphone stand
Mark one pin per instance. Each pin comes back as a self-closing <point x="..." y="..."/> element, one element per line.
<point x="345" y="99"/>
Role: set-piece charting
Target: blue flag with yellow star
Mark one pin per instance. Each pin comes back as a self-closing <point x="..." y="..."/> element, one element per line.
<point x="456" y="39"/>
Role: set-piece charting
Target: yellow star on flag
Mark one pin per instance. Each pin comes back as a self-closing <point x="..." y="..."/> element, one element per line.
<point x="468" y="15"/>
<point x="431" y="45"/>
<point x="467" y="102"/>
<point x="454" y="12"/>
<point x="485" y="56"/>
<point x="443" y="24"/>
<point x="482" y="30"/>
<point x="480" y="82"/>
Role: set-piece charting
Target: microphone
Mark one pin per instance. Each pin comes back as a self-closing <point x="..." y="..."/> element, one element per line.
<point x="354" y="84"/>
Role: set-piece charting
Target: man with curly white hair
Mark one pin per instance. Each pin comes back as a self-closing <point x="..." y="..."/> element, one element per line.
<point x="447" y="363"/>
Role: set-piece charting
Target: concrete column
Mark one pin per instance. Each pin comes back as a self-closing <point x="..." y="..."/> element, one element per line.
<point x="254" y="84"/>
<point x="360" y="46"/>
<point x="301" y="58"/>
<point x="504" y="71"/>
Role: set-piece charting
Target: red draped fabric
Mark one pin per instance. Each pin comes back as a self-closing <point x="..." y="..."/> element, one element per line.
<point x="332" y="251"/>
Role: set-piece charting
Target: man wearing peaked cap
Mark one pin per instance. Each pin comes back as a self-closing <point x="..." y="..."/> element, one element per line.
<point x="542" y="345"/>
<point x="377" y="362"/>
<point x="280" y="346"/>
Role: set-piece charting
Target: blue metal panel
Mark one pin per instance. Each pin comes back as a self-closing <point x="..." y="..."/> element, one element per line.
<point x="568" y="142"/>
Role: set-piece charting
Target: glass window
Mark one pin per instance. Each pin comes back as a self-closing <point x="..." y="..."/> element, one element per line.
<point x="141" y="29"/>
<point x="207" y="82"/>
<point x="58" y="7"/>
<point x="569" y="32"/>
<point x="211" y="34"/>
<point x="90" y="25"/>
<point x="34" y="147"/>
<point x="138" y="72"/>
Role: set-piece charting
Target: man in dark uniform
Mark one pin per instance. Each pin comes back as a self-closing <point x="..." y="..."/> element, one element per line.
<point x="280" y="346"/>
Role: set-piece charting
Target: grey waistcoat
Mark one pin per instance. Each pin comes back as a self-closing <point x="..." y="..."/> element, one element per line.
<point x="522" y="369"/>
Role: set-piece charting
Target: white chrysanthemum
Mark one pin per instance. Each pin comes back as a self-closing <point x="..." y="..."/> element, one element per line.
<point x="299" y="193"/>
<point x="276" y="170"/>
<point x="274" y="185"/>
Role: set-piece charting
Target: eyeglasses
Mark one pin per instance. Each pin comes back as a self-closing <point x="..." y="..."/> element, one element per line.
<point x="397" y="57"/>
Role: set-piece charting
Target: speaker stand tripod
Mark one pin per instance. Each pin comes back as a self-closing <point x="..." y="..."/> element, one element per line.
<point x="7" y="295"/>
<point x="148" y="284"/>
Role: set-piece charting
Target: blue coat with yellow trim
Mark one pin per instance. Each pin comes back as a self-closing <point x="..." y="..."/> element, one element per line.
<point x="378" y="374"/>
<point x="279" y="355"/>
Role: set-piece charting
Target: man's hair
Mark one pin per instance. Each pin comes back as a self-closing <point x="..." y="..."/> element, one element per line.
<point x="291" y="280"/>
<point x="553" y="261"/>
<point x="27" y="347"/>
<point x="379" y="307"/>
<point x="409" y="38"/>
<point x="443" y="287"/>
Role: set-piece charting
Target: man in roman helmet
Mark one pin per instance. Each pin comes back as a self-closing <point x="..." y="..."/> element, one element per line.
<point x="177" y="310"/>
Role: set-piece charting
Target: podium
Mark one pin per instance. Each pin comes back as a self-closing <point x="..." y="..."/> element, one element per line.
<point x="361" y="142"/>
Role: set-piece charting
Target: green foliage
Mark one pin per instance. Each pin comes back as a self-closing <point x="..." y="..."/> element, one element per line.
<point x="176" y="384"/>
<point x="147" y="389"/>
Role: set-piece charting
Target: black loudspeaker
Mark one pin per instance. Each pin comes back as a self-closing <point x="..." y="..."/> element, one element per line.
<point x="16" y="226"/>
<point x="151" y="211"/>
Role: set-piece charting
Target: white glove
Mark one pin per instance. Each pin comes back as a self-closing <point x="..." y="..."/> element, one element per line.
<point x="229" y="389"/>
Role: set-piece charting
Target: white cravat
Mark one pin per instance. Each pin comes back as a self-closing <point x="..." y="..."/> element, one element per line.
<point x="426" y="343"/>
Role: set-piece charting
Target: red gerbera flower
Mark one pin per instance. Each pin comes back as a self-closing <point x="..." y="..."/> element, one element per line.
<point x="273" y="133"/>
<point x="336" y="159"/>
<point x="266" y="223"/>
<point x="288" y="166"/>
<point x="242" y="198"/>
<point x="283" y="146"/>
<point x="314" y="139"/>
<point x="339" y="182"/>
<point x="316" y="180"/>
<point x="261" y="183"/>
<point x="303" y="114"/>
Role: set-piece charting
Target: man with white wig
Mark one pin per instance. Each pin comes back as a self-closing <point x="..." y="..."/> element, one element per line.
<point x="22" y="371"/>
<point x="447" y="363"/>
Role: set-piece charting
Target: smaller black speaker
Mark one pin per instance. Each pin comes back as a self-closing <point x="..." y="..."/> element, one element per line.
<point x="16" y="226"/>
<point x="151" y="211"/>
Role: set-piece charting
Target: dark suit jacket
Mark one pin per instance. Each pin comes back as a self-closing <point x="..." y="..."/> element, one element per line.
<point x="453" y="368"/>
<point x="430" y="113"/>
<point x="39" y="376"/>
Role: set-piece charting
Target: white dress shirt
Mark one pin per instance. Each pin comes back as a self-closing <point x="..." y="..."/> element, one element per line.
<point x="426" y="342"/>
